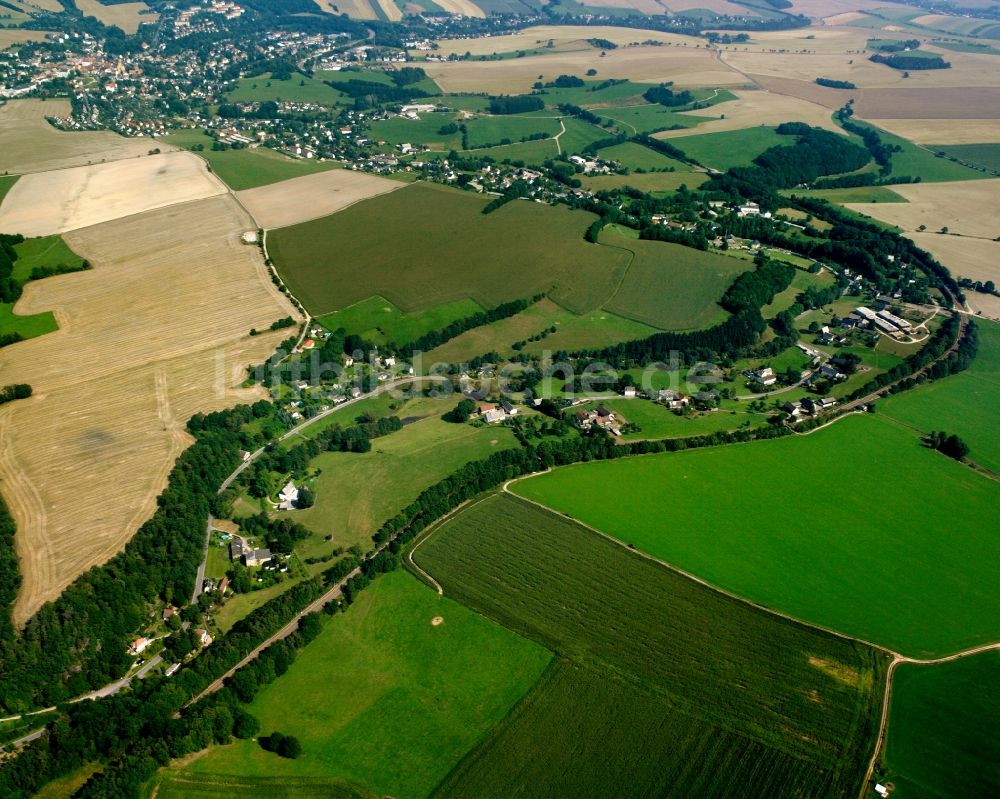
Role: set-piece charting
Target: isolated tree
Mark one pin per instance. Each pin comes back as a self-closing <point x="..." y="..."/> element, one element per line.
<point x="289" y="747"/>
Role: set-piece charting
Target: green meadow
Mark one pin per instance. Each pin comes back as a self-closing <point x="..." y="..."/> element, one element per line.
<point x="636" y="156"/>
<point x="658" y="421"/>
<point x="672" y="287"/>
<point x="649" y="118"/>
<point x="916" y="161"/>
<point x="357" y="492"/>
<point x="729" y="148"/>
<point x="385" y="698"/>
<point x="487" y="131"/>
<point x="248" y="168"/>
<point x="661" y="686"/>
<point x="43" y="251"/>
<point x="944" y="729"/>
<point x="658" y="183"/>
<point x="379" y="321"/>
<point x="572" y="332"/>
<point x="986" y="156"/>
<point x="964" y="404"/>
<point x="825" y="527"/>
<point x="6" y="184"/>
<point x="297" y="89"/>
<point x="425" y="130"/>
<point x="427" y="245"/>
<point x="860" y="194"/>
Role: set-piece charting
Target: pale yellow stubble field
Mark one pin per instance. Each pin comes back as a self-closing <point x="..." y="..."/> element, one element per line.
<point x="155" y="332"/>
<point x="43" y="203"/>
<point x="967" y="207"/>
<point x="28" y="143"/>
<point x="688" y="66"/>
<point x="753" y="108"/>
<point x="127" y="16"/>
<point x="944" y="131"/>
<point x="561" y="36"/>
<point x="311" y="196"/>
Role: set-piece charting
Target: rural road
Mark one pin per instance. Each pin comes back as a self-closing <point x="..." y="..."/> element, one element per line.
<point x="389" y="386"/>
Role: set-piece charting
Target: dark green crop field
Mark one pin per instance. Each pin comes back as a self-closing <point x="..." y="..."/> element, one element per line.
<point x="944" y="729"/>
<point x="426" y="245"/>
<point x="661" y="684"/>
<point x="858" y="527"/>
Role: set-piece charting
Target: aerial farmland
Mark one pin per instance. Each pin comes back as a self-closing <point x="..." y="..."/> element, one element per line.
<point x="479" y="398"/>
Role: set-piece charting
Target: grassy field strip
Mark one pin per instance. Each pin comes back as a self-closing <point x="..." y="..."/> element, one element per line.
<point x="901" y="582"/>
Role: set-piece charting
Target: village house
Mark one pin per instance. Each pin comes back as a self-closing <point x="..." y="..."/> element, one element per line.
<point x="256" y="557"/>
<point x="288" y="496"/>
<point x="674" y="400"/>
<point x="764" y="376"/>
<point x="139" y="645"/>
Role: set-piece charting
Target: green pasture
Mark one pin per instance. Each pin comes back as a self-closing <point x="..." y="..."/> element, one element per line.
<point x="650" y="118"/>
<point x="42" y="251"/>
<point x="573" y="332"/>
<point x="986" y="156"/>
<point x="657" y="183"/>
<point x="657" y="421"/>
<point x="670" y="286"/>
<point x="297" y="89"/>
<point x="964" y="404"/>
<point x="6" y="184"/>
<point x="383" y="697"/>
<point x="827" y="528"/>
<point x="489" y="131"/>
<point x="944" y="729"/>
<point x="248" y="168"/>
<point x="860" y="194"/>
<point x="357" y="492"/>
<point x="803" y="279"/>
<point x="427" y="245"/>
<point x="662" y="686"/>
<point x="425" y="130"/>
<point x="916" y="161"/>
<point x="379" y="321"/>
<point x="729" y="148"/>
<point x="636" y="156"/>
<point x="533" y="153"/>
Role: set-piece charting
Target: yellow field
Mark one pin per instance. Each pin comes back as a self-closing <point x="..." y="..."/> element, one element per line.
<point x="943" y="131"/>
<point x="969" y="207"/>
<point x="67" y="199"/>
<point x="312" y="196"/>
<point x="819" y="9"/>
<point x="641" y="6"/>
<point x="574" y="36"/>
<point x="126" y="16"/>
<point x="390" y="9"/>
<point x="752" y="108"/>
<point x="818" y="39"/>
<point x="357" y="9"/>
<point x="155" y="332"/>
<point x="967" y="70"/>
<point x="30" y="144"/>
<point x="718" y="6"/>
<point x="978" y="259"/>
<point x="687" y="66"/>
<point x="9" y="36"/>
<point x="466" y="7"/>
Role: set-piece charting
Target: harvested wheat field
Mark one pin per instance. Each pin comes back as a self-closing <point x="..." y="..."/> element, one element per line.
<point x="465" y="7"/>
<point x="30" y="144"/>
<point x="66" y="199"/>
<point x="312" y="196"/>
<point x="9" y="36"/>
<point x="647" y="7"/>
<point x="826" y="39"/>
<point x="83" y="460"/>
<point x="967" y="70"/>
<point x="753" y="108"/>
<point x="968" y="207"/>
<point x="943" y="131"/>
<point x="356" y="9"/>
<point x="977" y="259"/>
<point x="127" y="16"/>
<point x="818" y="9"/>
<point x="561" y="36"/>
<point x="718" y="6"/>
<point x="687" y="66"/>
